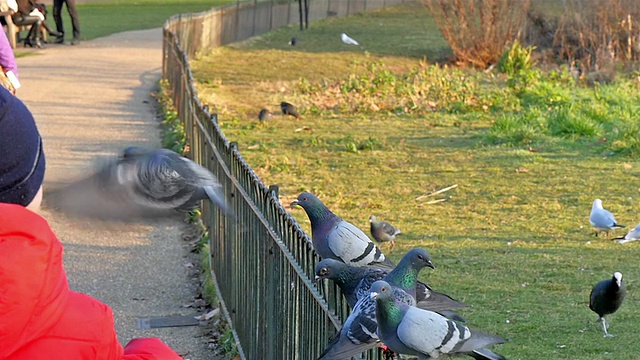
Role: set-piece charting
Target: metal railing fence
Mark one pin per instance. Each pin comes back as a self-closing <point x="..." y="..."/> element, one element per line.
<point x="262" y="261"/>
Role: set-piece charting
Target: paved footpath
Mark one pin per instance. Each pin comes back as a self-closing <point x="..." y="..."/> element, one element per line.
<point x="94" y="100"/>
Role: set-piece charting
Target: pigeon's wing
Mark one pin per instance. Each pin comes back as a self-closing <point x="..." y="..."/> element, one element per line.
<point x="390" y="229"/>
<point x="109" y="194"/>
<point x="432" y="300"/>
<point x="485" y="354"/>
<point x="371" y="276"/>
<point x="430" y="333"/>
<point x="358" y="333"/>
<point x="353" y="246"/>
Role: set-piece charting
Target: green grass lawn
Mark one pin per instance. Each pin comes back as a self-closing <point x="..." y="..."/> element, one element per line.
<point x="513" y="240"/>
<point x="107" y="17"/>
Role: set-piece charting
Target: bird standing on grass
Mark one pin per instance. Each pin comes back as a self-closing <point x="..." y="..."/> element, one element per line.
<point x="602" y="219"/>
<point x="382" y="231"/>
<point x="334" y="238"/>
<point x="289" y="109"/>
<point x="265" y="115"/>
<point x="632" y="235"/>
<point x="348" y="40"/>
<point x="606" y="298"/>
<point x="409" y="330"/>
<point x="143" y="183"/>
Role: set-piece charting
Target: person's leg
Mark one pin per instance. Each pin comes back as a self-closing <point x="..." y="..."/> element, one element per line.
<point x="57" y="17"/>
<point x="75" y="21"/>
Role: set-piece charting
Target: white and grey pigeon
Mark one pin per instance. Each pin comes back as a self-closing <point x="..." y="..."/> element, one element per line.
<point x="348" y="40"/>
<point x="602" y="219"/>
<point x="632" y="235"/>
<point x="606" y="298"/>
<point x="334" y="238"/>
<point x="142" y="183"/>
<point x="382" y="231"/>
<point x="409" y="330"/>
<point x="358" y="333"/>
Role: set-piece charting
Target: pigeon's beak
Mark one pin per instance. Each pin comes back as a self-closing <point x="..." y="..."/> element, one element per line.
<point x="374" y="295"/>
<point x="430" y="264"/>
<point x="294" y="203"/>
<point x="317" y="279"/>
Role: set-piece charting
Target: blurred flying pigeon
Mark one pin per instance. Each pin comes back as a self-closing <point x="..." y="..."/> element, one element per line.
<point x="289" y="109"/>
<point x="632" y="235"/>
<point x="358" y="334"/>
<point x="606" y="298"/>
<point x="347" y="40"/>
<point x="334" y="238"/>
<point x="382" y="231"/>
<point x="409" y="330"/>
<point x="293" y="41"/>
<point x="143" y="183"/>
<point x="602" y="219"/>
<point x="265" y="115"/>
<point x="354" y="282"/>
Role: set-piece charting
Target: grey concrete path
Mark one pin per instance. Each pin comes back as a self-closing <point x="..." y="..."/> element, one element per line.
<point x="94" y="100"/>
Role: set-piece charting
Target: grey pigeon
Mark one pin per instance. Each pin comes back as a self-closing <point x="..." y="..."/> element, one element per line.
<point x="409" y="330"/>
<point x="602" y="219"/>
<point x="354" y="282"/>
<point x="334" y="238"/>
<point x="143" y="183"/>
<point x="358" y="334"/>
<point x="264" y="115"/>
<point x="293" y="41"/>
<point x="382" y="231"/>
<point x="632" y="235"/>
<point x="289" y="109"/>
<point x="606" y="298"/>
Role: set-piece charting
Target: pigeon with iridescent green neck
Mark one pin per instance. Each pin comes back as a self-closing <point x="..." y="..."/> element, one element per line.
<point x="334" y="238"/>
<point x="409" y="330"/>
<point x="354" y="283"/>
<point x="358" y="334"/>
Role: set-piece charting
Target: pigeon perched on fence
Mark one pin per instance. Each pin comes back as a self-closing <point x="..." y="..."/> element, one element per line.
<point x="142" y="183"/>
<point x="602" y="219"/>
<point x="632" y="235"/>
<point x="334" y="238"/>
<point x="606" y="298"/>
<point x="409" y="330"/>
<point x="382" y="231"/>
<point x="348" y="40"/>
<point x="289" y="109"/>
<point x="354" y="282"/>
<point x="358" y="334"/>
<point x="265" y="115"/>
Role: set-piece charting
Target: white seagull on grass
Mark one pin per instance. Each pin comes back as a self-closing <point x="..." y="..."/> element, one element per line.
<point x="347" y="40"/>
<point x="602" y="219"/>
<point x="632" y="235"/>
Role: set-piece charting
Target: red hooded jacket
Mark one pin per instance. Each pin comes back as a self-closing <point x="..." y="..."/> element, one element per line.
<point x="40" y="317"/>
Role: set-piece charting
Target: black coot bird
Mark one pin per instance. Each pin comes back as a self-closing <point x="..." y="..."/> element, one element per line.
<point x="289" y="109"/>
<point x="606" y="298"/>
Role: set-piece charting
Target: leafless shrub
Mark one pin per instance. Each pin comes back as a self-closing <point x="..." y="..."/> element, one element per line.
<point x="478" y="30"/>
<point x="597" y="34"/>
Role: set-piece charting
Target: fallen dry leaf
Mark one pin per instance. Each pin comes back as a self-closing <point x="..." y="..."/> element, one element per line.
<point x="522" y="170"/>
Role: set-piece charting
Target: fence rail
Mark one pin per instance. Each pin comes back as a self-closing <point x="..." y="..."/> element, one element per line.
<point x="262" y="262"/>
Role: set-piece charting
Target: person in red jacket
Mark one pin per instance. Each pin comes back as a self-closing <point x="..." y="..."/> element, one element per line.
<point x="40" y="317"/>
